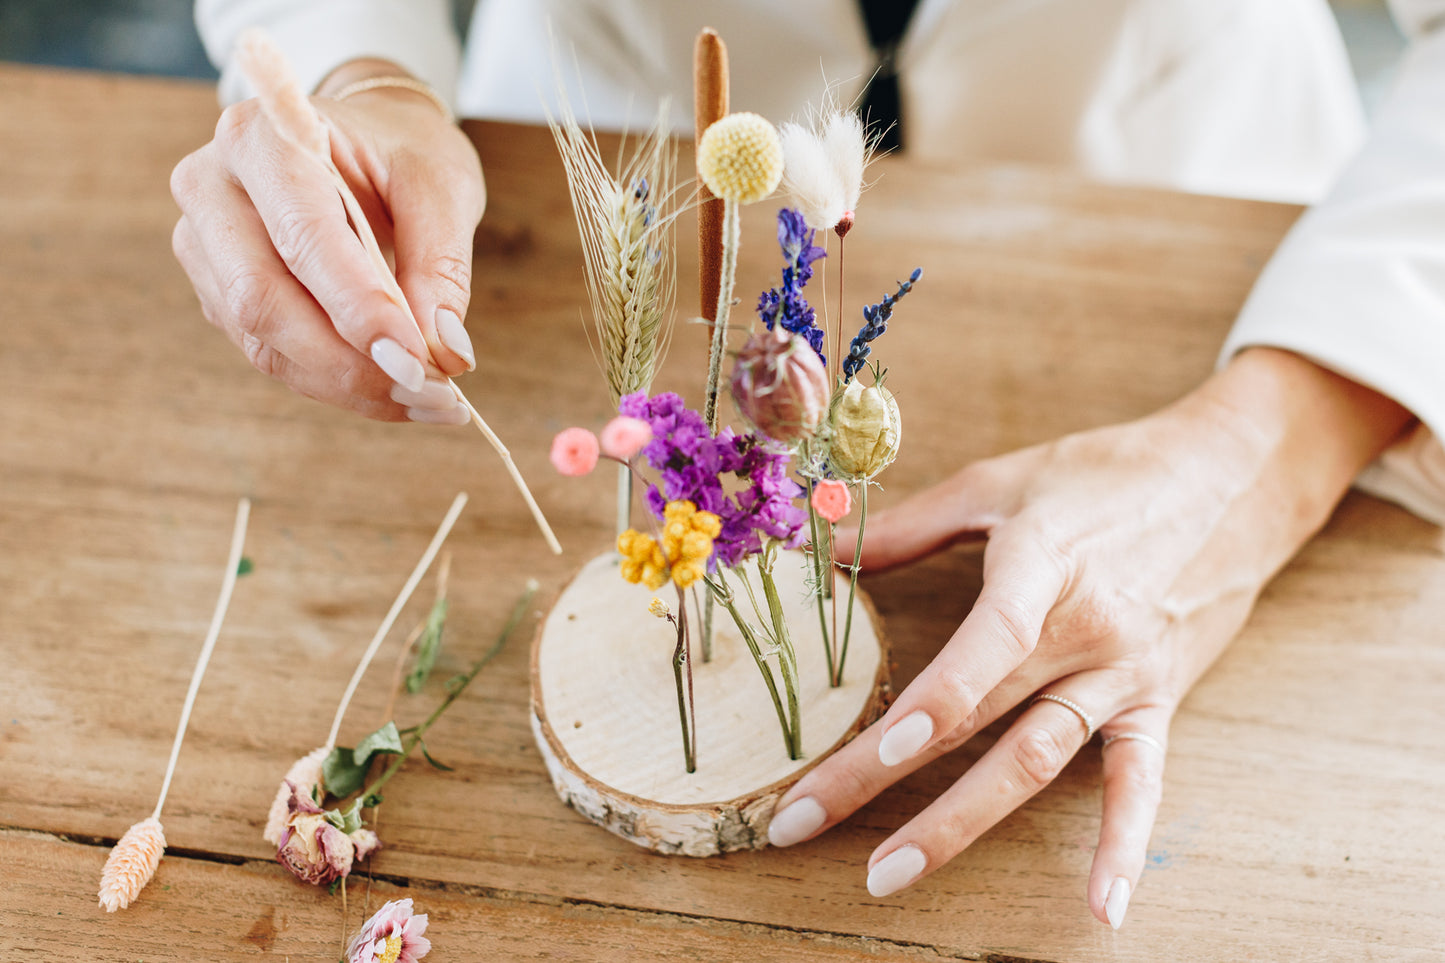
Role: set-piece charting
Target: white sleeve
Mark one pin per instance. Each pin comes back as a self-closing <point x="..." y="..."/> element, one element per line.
<point x="318" y="36"/>
<point x="1358" y="285"/>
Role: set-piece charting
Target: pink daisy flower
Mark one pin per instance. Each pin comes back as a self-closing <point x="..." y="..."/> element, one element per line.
<point x="831" y="500"/>
<point x="624" y="437"/>
<point x="574" y="451"/>
<point x="392" y="935"/>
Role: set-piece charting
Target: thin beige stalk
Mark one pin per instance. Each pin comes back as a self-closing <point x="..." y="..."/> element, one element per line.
<point x="411" y="583"/>
<point x="296" y="120"/>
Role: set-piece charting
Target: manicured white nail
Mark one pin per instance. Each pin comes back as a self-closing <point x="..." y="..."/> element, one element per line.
<point x="896" y="870"/>
<point x="430" y="416"/>
<point x="453" y="334"/>
<point x="436" y="394"/>
<point x="796" y="822"/>
<point x="907" y="736"/>
<point x="1117" y="902"/>
<point x="398" y="363"/>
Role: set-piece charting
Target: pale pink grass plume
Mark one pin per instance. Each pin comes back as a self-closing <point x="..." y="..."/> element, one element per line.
<point x="392" y="935"/>
<point x="575" y="451"/>
<point x="305" y="775"/>
<point x="624" y="437"/>
<point x="131" y="864"/>
<point x="832" y="500"/>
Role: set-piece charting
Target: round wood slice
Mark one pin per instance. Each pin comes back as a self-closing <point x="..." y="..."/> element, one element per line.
<point x="605" y="716"/>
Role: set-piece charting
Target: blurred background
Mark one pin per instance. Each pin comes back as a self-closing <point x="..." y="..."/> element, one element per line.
<point x="159" y="36"/>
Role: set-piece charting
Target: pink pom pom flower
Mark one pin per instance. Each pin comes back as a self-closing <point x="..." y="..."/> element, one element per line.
<point x="574" y="451"/>
<point x="624" y="437"/>
<point x="831" y="500"/>
<point x="393" y="935"/>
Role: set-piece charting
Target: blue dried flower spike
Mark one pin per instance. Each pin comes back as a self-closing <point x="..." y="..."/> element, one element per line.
<point x="875" y="322"/>
<point x="785" y="305"/>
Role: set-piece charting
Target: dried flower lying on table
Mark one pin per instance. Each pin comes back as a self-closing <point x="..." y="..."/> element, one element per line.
<point x="136" y="855"/>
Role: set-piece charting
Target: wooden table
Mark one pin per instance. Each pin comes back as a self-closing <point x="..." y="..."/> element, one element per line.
<point x="1303" y="808"/>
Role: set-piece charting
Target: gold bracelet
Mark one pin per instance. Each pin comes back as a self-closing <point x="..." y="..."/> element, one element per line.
<point x="403" y="83"/>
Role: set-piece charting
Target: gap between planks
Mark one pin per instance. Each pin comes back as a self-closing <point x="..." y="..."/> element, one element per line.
<point x="843" y="941"/>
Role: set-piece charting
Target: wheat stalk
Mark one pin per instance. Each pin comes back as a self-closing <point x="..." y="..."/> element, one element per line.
<point x="626" y="224"/>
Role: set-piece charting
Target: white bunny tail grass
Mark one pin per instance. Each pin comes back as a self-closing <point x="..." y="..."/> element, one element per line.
<point x="131" y="864"/>
<point x="626" y="224"/>
<point x="824" y="163"/>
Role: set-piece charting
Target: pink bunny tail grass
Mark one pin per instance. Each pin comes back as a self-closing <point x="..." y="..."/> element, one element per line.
<point x="282" y="99"/>
<point x="305" y="775"/>
<point x="131" y="864"/>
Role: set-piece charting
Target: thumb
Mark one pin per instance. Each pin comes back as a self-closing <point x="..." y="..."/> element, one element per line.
<point x="433" y="238"/>
<point x="964" y="507"/>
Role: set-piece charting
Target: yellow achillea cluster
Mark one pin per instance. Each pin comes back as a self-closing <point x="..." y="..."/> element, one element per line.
<point x="687" y="537"/>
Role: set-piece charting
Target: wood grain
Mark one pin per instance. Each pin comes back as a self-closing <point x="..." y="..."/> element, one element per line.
<point x="1304" y="793"/>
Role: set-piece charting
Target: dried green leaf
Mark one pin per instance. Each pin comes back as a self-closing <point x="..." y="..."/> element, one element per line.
<point x="428" y="646"/>
<point x="384" y="740"/>
<point x="245" y="566"/>
<point x="341" y="773"/>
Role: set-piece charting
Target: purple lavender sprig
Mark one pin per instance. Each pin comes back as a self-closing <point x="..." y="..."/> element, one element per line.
<point x="785" y="305"/>
<point x="875" y="322"/>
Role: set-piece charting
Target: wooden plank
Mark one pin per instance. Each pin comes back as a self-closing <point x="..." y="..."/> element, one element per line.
<point x="201" y="910"/>
<point x="1304" y="793"/>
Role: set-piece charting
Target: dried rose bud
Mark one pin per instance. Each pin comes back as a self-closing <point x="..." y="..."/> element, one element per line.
<point x="866" y="430"/>
<point x="781" y="386"/>
<point x="311" y="848"/>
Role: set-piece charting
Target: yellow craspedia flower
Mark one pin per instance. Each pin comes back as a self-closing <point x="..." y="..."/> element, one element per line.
<point x="642" y="559"/>
<point x="686" y="573"/>
<point x="740" y="158"/>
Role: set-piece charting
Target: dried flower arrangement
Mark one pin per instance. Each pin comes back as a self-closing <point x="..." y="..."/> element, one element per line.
<point x="729" y="510"/>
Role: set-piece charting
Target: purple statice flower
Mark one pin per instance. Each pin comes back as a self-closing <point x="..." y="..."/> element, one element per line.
<point x="691" y="464"/>
<point x="875" y="322"/>
<point x="785" y="305"/>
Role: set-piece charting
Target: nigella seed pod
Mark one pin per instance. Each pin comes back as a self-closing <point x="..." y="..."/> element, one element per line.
<point x="780" y="386"/>
<point x="865" y="431"/>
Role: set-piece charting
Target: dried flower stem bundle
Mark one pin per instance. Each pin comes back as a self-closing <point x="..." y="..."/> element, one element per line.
<point x="133" y="861"/>
<point x="296" y="120"/>
<point x="411" y="583"/>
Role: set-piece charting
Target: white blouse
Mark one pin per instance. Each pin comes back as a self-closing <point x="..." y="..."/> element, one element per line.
<point x="1247" y="98"/>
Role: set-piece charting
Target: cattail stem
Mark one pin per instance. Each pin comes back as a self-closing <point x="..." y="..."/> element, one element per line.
<point x="732" y="238"/>
<point x="228" y="583"/>
<point x="710" y="104"/>
<point x="411" y="583"/>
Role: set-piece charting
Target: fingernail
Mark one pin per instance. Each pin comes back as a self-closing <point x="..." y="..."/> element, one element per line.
<point x="905" y="739"/>
<point x="1117" y="902"/>
<point x="436" y="395"/>
<point x="896" y="870"/>
<point x="430" y="416"/>
<point x="796" y="822"/>
<point x="454" y="335"/>
<point x="398" y="363"/>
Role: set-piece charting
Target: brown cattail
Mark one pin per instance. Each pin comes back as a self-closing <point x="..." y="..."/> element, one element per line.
<point x="710" y="104"/>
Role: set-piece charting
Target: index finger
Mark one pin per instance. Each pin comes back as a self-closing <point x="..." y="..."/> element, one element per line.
<point x="1022" y="582"/>
<point x="307" y="223"/>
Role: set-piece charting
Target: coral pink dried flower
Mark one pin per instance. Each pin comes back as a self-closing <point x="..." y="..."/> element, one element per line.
<point x="131" y="864"/>
<point x="624" y="437"/>
<point x="831" y="500"/>
<point x="574" y="451"/>
<point x="392" y="935"/>
<point x="305" y="775"/>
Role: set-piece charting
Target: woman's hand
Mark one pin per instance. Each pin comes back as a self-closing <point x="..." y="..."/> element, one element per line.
<point x="1120" y="563"/>
<point x="266" y="242"/>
